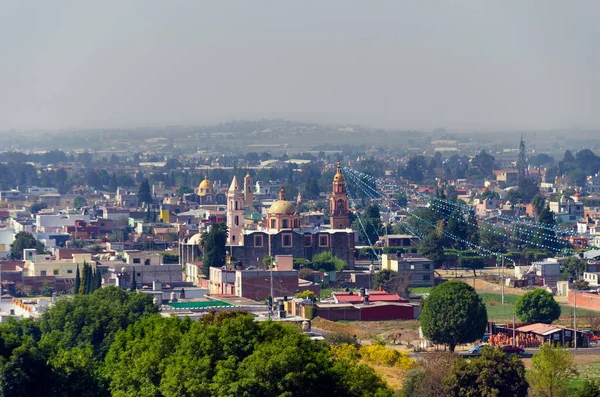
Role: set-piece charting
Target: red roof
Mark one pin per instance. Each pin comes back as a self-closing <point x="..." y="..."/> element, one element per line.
<point x="374" y="296"/>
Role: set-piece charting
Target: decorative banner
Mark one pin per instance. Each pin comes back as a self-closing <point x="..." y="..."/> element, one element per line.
<point x="369" y="191"/>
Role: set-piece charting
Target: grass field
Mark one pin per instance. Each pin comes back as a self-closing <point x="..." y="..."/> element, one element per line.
<point x="589" y="370"/>
<point x="497" y="311"/>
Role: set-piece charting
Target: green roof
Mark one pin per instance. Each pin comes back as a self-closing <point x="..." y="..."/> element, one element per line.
<point x="197" y="305"/>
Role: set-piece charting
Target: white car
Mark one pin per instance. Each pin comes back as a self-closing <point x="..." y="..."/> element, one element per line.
<point x="477" y="349"/>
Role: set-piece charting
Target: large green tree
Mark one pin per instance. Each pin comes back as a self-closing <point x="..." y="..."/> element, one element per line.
<point x="25" y="240"/>
<point x="537" y="306"/>
<point x="453" y="314"/>
<point x="494" y="373"/>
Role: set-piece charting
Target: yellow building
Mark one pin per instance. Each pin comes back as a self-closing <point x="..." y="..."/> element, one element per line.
<point x="44" y="265"/>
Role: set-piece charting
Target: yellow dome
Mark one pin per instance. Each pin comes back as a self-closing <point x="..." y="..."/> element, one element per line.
<point x="205" y="184"/>
<point x="338" y="177"/>
<point x="282" y="207"/>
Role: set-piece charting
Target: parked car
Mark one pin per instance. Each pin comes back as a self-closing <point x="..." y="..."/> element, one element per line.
<point x="486" y="337"/>
<point x="476" y="350"/>
<point x="512" y="349"/>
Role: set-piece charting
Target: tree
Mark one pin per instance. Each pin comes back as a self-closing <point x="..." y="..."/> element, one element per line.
<point x="326" y="261"/>
<point x="392" y="282"/>
<point x="574" y="266"/>
<point x="133" y="286"/>
<point x="214" y="247"/>
<point x="181" y="190"/>
<point x="144" y="193"/>
<point x="77" y="285"/>
<point x="427" y="377"/>
<point x="537" y="306"/>
<point x="401" y="199"/>
<point x="590" y="388"/>
<point x="25" y="240"/>
<point x="37" y="207"/>
<point x="538" y="203"/>
<point x="453" y="314"/>
<point x="79" y="202"/>
<point x="432" y="247"/>
<point x="494" y="373"/>
<point x="306" y="295"/>
<point x="47" y="288"/>
<point x="113" y="184"/>
<point x="552" y="368"/>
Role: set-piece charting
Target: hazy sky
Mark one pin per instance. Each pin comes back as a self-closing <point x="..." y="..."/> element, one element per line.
<point x="462" y="65"/>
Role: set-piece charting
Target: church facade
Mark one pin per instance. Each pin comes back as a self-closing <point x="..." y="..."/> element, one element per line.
<point x="283" y="233"/>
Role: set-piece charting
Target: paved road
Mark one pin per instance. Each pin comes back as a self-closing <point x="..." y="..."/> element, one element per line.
<point x="528" y="352"/>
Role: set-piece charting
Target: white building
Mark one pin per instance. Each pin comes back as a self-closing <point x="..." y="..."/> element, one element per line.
<point x="42" y="190"/>
<point x="55" y="222"/>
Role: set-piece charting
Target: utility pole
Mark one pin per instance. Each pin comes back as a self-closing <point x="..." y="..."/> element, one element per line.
<point x="502" y="280"/>
<point x="575" y="318"/>
<point x="514" y="340"/>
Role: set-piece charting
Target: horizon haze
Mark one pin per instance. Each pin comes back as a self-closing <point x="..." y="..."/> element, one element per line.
<point x="469" y="66"/>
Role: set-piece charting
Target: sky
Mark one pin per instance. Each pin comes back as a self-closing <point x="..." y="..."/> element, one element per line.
<point x="463" y="65"/>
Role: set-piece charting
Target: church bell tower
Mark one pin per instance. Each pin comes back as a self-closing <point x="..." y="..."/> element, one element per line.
<point x="338" y="202"/>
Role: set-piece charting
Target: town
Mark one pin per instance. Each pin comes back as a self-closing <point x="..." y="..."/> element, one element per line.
<point x="325" y="240"/>
<point x="299" y="199"/>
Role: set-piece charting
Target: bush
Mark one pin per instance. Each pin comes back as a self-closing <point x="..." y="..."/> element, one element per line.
<point x="380" y="355"/>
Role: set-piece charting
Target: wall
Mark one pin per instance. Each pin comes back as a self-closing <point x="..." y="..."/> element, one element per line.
<point x="585" y="300"/>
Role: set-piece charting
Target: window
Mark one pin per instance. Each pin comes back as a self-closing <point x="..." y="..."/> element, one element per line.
<point x="55" y="272"/>
<point x="43" y="273"/>
<point x="273" y="224"/>
<point x="426" y="277"/>
<point x="285" y="223"/>
<point x="427" y="266"/>
<point x="233" y="238"/>
<point x="308" y="240"/>
<point x="137" y="260"/>
<point x="236" y="204"/>
<point x="258" y="241"/>
<point x="69" y="271"/>
<point x="287" y="240"/>
<point x="324" y="241"/>
<point x="237" y="220"/>
<point x="146" y="262"/>
<point x="139" y="275"/>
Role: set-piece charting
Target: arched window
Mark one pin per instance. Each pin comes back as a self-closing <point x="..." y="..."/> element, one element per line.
<point x="233" y="238"/>
<point x="339" y="207"/>
<point x="236" y="204"/>
<point x="237" y="220"/>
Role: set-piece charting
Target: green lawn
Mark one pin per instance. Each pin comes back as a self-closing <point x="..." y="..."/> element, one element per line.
<point x="420" y="290"/>
<point x="496" y="311"/>
<point x="589" y="370"/>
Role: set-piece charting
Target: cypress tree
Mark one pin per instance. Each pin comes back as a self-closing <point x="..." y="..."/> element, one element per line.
<point x="77" y="281"/>
<point x="88" y="279"/>
<point x="82" y="290"/>
<point x="133" y="286"/>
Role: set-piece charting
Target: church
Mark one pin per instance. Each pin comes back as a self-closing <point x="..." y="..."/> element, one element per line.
<point x="206" y="194"/>
<point x="282" y="233"/>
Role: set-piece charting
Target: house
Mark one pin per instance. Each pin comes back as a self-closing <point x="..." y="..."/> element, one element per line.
<point x="364" y="296"/>
<point x="548" y="270"/>
<point x="567" y="210"/>
<point x="257" y="284"/>
<point x="399" y="240"/>
<point x="592" y="278"/>
<point x="47" y="265"/>
<point x="420" y="269"/>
